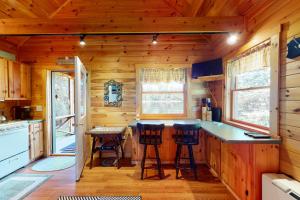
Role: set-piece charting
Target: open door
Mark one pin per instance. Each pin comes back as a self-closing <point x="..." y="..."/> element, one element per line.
<point x="80" y="116"/>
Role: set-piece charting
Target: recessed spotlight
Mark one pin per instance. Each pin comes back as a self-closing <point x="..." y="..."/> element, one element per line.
<point x="82" y="42"/>
<point x="232" y="39"/>
<point x="154" y="39"/>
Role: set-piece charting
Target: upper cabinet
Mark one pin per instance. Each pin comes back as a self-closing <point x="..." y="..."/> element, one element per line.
<point x="15" y="80"/>
<point x="3" y="79"/>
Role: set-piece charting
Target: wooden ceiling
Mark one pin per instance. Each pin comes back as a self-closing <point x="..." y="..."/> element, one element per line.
<point x="120" y="16"/>
<point x="125" y="8"/>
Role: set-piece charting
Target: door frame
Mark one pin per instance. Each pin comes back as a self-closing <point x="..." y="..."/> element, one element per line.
<point x="48" y="142"/>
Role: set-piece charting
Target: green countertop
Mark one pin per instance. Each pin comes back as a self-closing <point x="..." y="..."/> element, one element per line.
<point x="224" y="132"/>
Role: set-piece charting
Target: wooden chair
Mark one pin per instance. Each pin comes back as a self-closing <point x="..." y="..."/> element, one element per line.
<point x="186" y="135"/>
<point x="150" y="134"/>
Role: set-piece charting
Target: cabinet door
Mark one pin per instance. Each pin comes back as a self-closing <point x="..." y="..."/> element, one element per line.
<point x="36" y="144"/>
<point x="3" y="79"/>
<point x="25" y="72"/>
<point x="32" y="143"/>
<point x="213" y="153"/>
<point x="14" y="73"/>
<point x="234" y="169"/>
<point x="41" y="141"/>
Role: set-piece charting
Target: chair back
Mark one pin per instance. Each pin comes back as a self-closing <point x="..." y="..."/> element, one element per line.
<point x="150" y="133"/>
<point x="187" y="133"/>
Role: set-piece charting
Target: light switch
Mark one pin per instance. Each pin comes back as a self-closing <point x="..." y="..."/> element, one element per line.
<point x="39" y="108"/>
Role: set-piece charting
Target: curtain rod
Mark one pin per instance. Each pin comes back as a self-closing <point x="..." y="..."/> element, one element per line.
<point x="255" y="48"/>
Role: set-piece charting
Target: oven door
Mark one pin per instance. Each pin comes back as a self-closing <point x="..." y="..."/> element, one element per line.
<point x="13" y="142"/>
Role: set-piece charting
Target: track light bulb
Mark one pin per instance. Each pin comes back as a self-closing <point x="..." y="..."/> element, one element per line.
<point x="154" y="39"/>
<point x="232" y="39"/>
<point x="82" y="42"/>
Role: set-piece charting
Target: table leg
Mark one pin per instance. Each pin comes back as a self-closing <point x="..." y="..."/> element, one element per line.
<point x="92" y="152"/>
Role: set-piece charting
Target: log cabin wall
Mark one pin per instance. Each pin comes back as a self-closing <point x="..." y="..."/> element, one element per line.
<point x="285" y="21"/>
<point x="102" y="70"/>
<point x="103" y="66"/>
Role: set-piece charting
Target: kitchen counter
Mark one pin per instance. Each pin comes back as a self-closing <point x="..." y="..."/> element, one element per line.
<point x="224" y="132"/>
<point x="34" y="121"/>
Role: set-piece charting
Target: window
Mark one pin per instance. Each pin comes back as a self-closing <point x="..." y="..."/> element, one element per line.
<point x="249" y="91"/>
<point x="251" y="97"/>
<point x="163" y="92"/>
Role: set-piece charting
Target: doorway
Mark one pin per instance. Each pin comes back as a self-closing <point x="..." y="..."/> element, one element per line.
<point x="63" y="113"/>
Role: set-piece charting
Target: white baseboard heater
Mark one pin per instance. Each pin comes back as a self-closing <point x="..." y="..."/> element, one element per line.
<point x="279" y="187"/>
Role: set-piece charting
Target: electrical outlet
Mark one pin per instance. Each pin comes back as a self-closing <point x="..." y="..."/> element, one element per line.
<point x="39" y="108"/>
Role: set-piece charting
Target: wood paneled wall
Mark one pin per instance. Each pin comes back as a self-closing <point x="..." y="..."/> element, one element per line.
<point x="102" y="69"/>
<point x="290" y="104"/>
<point x="286" y="20"/>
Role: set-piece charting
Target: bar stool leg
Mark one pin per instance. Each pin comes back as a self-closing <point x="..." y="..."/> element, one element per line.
<point x="179" y="147"/>
<point x="192" y="161"/>
<point x="158" y="161"/>
<point x="143" y="161"/>
<point x="92" y="152"/>
<point x="118" y="157"/>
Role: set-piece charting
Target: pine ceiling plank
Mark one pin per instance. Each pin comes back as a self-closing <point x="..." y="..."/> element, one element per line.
<point x="195" y="7"/>
<point x="27" y="7"/>
<point x="185" y="8"/>
<point x="180" y="6"/>
<point x="120" y="8"/>
<point x="59" y="8"/>
<point x="122" y="25"/>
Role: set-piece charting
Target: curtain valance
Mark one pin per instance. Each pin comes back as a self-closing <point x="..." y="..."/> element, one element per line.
<point x="156" y="75"/>
<point x="251" y="61"/>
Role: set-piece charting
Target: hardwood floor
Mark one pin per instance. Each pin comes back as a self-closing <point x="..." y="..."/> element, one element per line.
<point x="126" y="181"/>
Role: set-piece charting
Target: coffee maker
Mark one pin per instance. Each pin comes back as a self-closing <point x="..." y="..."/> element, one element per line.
<point x="21" y="113"/>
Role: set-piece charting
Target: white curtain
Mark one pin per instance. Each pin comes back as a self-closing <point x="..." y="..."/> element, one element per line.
<point x="156" y="75"/>
<point x="251" y="61"/>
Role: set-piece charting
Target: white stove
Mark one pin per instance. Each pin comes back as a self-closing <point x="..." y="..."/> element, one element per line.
<point x="14" y="146"/>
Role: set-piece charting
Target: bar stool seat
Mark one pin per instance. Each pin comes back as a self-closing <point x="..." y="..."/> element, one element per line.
<point x="150" y="134"/>
<point x="186" y="135"/>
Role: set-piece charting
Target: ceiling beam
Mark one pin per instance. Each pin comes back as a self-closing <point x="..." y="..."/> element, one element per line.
<point x="37" y="26"/>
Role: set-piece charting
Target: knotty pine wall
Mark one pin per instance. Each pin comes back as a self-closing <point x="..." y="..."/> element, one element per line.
<point x="286" y="22"/>
<point x="102" y="69"/>
<point x="99" y="73"/>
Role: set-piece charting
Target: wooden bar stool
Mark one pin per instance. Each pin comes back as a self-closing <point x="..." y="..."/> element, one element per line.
<point x="150" y="134"/>
<point x="186" y="135"/>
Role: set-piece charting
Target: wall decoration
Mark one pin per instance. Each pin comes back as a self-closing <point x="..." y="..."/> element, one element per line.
<point x="113" y="93"/>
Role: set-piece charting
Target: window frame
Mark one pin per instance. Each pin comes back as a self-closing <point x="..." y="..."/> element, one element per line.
<point x="274" y="88"/>
<point x="139" y="111"/>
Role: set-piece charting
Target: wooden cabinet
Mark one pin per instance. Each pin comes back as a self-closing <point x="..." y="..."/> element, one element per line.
<point x="36" y="139"/>
<point x="240" y="165"/>
<point x="235" y="164"/>
<point x="3" y="79"/>
<point x="15" y="80"/>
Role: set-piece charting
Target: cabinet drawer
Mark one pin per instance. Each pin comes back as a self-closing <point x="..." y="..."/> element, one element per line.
<point x="12" y="164"/>
<point x="37" y="127"/>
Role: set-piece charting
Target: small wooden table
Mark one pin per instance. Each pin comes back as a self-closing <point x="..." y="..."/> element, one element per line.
<point x="115" y="134"/>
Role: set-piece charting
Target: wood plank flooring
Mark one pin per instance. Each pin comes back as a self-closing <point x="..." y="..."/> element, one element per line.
<point x="126" y="181"/>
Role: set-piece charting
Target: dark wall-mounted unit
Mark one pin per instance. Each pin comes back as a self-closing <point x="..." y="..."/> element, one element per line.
<point x="208" y="68"/>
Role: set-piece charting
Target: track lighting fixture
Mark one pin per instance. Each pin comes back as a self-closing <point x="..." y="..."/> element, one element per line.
<point x="82" y="42"/>
<point x="154" y="39"/>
